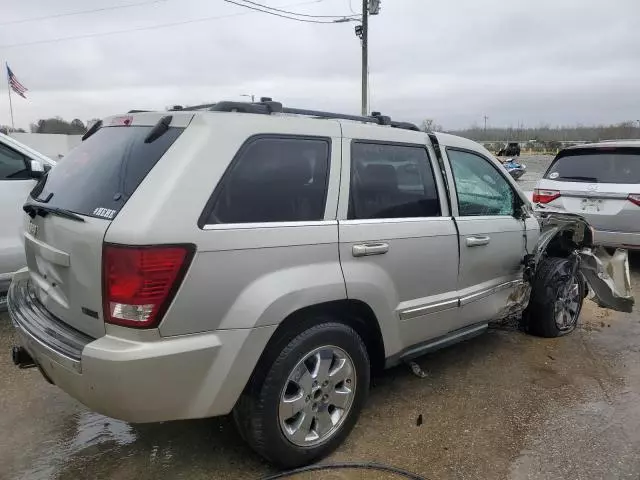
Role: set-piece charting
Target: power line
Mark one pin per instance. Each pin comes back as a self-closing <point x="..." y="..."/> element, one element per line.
<point x="294" y="13"/>
<point x="138" y="29"/>
<point x="80" y="12"/>
<point x="278" y="14"/>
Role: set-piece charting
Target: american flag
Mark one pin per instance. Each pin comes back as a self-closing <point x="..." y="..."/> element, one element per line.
<point x="16" y="86"/>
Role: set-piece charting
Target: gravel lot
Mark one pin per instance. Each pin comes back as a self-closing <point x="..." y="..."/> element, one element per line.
<point x="502" y="406"/>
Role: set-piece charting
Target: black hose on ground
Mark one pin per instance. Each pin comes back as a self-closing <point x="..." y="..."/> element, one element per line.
<point x="346" y="466"/>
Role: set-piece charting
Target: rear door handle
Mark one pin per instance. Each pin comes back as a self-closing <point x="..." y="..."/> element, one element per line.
<point x="364" y="249"/>
<point x="477" y="241"/>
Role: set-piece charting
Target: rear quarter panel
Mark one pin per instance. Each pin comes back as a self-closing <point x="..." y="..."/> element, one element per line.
<point x="243" y="275"/>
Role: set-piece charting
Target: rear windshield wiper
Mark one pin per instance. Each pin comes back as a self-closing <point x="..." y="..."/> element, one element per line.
<point x="43" y="211"/>
<point x="580" y="179"/>
<point x="94" y="128"/>
<point x="159" y="129"/>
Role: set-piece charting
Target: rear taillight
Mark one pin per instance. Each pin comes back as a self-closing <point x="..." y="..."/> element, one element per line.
<point x="545" y="196"/>
<point x="634" y="198"/>
<point x="140" y="282"/>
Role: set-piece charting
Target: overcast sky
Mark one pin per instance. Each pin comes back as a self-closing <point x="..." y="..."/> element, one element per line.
<point x="517" y="61"/>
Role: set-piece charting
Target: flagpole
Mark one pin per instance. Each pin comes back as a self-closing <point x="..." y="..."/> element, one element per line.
<point x="13" y="127"/>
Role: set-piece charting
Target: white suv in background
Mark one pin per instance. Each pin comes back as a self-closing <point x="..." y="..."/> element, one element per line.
<point x="600" y="182"/>
<point x="20" y="168"/>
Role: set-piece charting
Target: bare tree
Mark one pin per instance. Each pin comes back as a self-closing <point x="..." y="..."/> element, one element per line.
<point x="7" y="129"/>
<point x="430" y="125"/>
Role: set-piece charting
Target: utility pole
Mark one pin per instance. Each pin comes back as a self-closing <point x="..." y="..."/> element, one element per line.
<point x="485" y="123"/>
<point x="369" y="7"/>
<point x="365" y="56"/>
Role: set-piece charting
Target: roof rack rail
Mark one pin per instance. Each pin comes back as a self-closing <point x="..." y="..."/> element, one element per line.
<point x="267" y="106"/>
<point x="204" y="106"/>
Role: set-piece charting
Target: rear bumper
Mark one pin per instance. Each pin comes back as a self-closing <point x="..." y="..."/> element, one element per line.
<point x="150" y="380"/>
<point x="626" y="240"/>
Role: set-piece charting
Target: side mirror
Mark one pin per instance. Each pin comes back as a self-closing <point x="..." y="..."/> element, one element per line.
<point x="37" y="169"/>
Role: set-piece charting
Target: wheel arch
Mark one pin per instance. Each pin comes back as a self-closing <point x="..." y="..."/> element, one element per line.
<point x="353" y="313"/>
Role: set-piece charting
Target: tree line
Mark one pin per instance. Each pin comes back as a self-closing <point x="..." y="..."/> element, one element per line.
<point x="543" y="133"/>
<point x="52" y="125"/>
<point x="546" y="133"/>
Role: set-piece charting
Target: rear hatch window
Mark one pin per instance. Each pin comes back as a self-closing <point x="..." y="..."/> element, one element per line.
<point x="597" y="165"/>
<point x="98" y="177"/>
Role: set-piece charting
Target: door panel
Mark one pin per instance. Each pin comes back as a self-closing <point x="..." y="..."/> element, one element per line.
<point x="399" y="252"/>
<point x="488" y="272"/>
<point x="413" y="281"/>
<point x="13" y="194"/>
<point x="15" y="185"/>
<point x="492" y="240"/>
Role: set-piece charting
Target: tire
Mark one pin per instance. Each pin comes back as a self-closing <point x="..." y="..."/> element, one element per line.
<point x="552" y="286"/>
<point x="259" y="412"/>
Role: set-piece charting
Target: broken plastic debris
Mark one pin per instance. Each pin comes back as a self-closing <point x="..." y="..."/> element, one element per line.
<point x="416" y="370"/>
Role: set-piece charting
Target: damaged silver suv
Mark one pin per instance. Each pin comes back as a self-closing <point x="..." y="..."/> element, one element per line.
<point x="265" y="261"/>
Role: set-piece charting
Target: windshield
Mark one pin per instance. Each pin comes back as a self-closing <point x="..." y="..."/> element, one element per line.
<point x="99" y="176"/>
<point x="597" y="166"/>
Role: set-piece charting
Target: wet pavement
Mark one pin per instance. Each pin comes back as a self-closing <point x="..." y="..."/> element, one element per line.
<point x="502" y="406"/>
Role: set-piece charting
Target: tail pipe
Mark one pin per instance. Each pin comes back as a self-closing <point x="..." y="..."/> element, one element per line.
<point x="21" y="358"/>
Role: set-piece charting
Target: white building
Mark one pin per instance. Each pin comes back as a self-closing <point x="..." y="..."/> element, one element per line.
<point x="53" y="145"/>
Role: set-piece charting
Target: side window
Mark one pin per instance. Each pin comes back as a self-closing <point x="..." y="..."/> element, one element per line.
<point x="482" y="190"/>
<point x="391" y="181"/>
<point x="12" y="165"/>
<point x="275" y="179"/>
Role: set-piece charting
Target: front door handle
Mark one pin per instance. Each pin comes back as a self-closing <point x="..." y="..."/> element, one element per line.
<point x="477" y="241"/>
<point x="364" y="249"/>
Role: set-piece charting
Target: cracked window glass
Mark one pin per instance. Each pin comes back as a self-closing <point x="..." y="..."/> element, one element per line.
<point x="481" y="189"/>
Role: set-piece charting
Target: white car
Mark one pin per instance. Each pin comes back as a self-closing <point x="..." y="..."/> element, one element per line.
<point x="600" y="182"/>
<point x="20" y="169"/>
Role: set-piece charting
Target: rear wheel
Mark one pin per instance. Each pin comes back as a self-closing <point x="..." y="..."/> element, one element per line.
<point x="556" y="299"/>
<point x="310" y="397"/>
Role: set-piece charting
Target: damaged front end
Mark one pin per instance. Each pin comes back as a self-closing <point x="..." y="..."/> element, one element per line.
<point x="568" y="235"/>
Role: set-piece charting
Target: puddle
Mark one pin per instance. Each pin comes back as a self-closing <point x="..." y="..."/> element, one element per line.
<point x="87" y="430"/>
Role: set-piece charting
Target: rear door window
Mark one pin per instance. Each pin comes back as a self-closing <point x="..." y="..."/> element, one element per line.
<point x="391" y="181"/>
<point x="620" y="165"/>
<point x="98" y="177"/>
<point x="274" y="179"/>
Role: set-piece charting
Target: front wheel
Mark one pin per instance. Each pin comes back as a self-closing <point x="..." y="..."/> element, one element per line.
<point x="309" y="399"/>
<point x="556" y="299"/>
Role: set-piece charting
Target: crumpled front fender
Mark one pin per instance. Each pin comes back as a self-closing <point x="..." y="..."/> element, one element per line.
<point x="607" y="275"/>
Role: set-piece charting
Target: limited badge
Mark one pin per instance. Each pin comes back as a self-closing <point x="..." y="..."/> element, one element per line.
<point x="104" y="213"/>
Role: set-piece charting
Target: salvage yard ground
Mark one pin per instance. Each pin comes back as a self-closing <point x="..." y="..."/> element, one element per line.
<point x="502" y="406"/>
